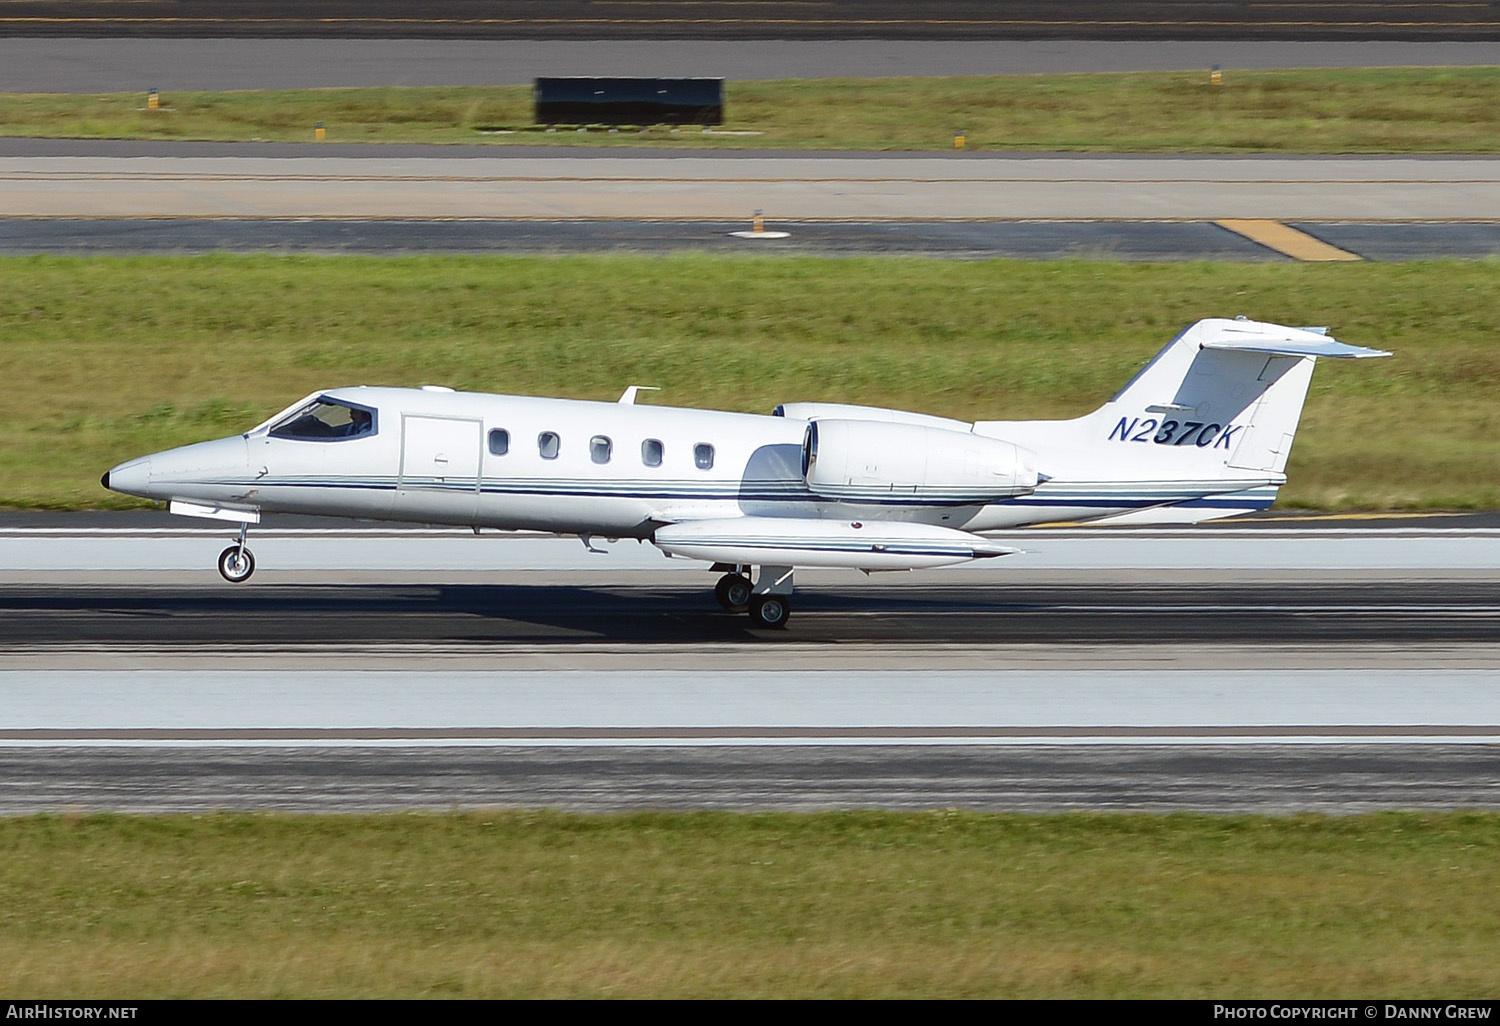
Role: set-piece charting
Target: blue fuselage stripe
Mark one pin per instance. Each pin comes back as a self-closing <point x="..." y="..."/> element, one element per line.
<point x="1253" y="496"/>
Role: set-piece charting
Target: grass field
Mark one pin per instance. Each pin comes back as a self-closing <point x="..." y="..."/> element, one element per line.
<point x="1388" y="110"/>
<point x="867" y="904"/>
<point x="110" y="358"/>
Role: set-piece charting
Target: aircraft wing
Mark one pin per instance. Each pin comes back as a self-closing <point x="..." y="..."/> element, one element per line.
<point x="856" y="544"/>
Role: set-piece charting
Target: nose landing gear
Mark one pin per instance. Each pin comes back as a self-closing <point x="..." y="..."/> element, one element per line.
<point x="236" y="564"/>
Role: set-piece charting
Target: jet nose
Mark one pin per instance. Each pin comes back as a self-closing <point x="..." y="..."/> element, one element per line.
<point x="132" y="477"/>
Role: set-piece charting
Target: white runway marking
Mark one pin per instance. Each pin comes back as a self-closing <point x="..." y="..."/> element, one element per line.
<point x="566" y="707"/>
<point x="33" y="554"/>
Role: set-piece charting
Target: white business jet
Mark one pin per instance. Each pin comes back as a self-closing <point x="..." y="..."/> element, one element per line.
<point x="1203" y="431"/>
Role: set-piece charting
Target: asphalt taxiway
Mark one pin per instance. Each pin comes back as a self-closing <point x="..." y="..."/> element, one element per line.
<point x="1275" y="779"/>
<point x="1156" y="241"/>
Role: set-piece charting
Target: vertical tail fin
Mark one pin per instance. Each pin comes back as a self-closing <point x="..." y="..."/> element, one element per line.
<point x="1230" y="390"/>
<point x="1203" y="431"/>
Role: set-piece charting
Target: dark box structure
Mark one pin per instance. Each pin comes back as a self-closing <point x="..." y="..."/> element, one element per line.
<point x="629" y="101"/>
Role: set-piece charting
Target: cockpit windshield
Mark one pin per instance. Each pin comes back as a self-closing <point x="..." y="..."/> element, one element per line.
<point x="326" y="419"/>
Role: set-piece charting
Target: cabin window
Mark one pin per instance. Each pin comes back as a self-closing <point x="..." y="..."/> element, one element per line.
<point x="599" y="449"/>
<point x="703" y="456"/>
<point x="499" y="441"/>
<point x="651" y="452"/>
<point x="324" y="420"/>
<point x="547" y="443"/>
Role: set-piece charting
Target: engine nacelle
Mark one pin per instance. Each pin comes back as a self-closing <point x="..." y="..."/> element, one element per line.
<point x="869" y="461"/>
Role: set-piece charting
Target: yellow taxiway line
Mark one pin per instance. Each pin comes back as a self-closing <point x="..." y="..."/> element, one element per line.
<point x="1285" y="239"/>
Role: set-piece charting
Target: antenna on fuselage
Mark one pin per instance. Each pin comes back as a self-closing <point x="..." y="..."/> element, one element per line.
<point x="627" y="398"/>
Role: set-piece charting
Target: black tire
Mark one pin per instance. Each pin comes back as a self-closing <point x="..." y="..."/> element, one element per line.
<point x="236" y="564"/>
<point x="770" y="610"/>
<point x="733" y="592"/>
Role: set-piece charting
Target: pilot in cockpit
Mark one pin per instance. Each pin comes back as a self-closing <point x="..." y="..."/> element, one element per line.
<point x="360" y="423"/>
<point x="326" y="419"/>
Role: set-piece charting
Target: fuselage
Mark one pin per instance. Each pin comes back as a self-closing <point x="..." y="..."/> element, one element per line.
<point x="572" y="466"/>
<point x="1203" y="431"/>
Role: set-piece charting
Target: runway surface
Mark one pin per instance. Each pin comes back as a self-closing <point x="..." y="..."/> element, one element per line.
<point x="682" y="613"/>
<point x="141" y="580"/>
<point x="1215" y="669"/>
<point x="623" y="701"/>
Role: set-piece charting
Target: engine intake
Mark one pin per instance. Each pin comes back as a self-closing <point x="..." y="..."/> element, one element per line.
<point x="870" y="461"/>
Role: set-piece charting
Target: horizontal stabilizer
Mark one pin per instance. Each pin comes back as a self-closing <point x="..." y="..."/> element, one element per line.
<point x="1279" y="340"/>
<point x="1325" y="347"/>
<point x="857" y="545"/>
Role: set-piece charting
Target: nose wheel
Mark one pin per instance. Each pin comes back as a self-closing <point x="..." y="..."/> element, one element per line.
<point x="236" y="564"/>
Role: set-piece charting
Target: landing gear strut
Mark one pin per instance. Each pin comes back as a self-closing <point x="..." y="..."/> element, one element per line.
<point x="236" y="564"/>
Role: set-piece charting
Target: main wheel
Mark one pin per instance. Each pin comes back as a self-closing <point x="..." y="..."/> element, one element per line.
<point x="236" y="564"/>
<point x="769" y="610"/>
<point x="733" y="592"/>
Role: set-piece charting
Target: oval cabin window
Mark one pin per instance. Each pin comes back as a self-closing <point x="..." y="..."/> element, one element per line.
<point x="600" y="448"/>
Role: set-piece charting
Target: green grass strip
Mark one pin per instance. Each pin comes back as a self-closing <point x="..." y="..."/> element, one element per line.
<point x="1377" y="110"/>
<point x="856" y="904"/>
<point x="110" y="358"/>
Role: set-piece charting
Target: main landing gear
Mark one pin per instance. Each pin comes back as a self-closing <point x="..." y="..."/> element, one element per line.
<point x="733" y="592"/>
<point x="768" y="600"/>
<point x="236" y="564"/>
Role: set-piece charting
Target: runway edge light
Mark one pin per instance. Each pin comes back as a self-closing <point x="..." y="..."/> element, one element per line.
<point x="758" y="229"/>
